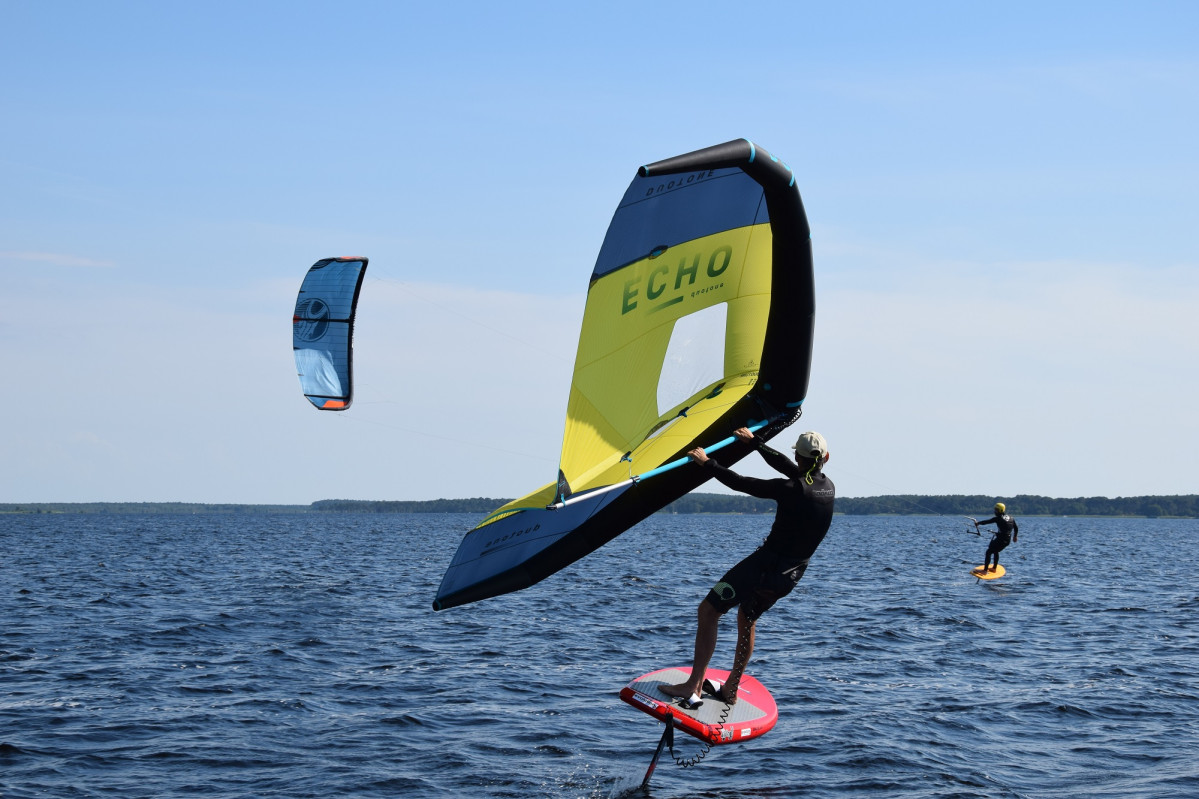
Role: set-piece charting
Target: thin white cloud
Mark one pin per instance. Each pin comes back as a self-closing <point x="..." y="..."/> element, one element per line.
<point x="1010" y="378"/>
<point x="54" y="259"/>
<point x="193" y="396"/>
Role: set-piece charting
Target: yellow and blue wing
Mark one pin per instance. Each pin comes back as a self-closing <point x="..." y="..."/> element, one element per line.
<point x="699" y="320"/>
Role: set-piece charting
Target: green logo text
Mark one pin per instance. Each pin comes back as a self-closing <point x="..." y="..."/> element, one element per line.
<point x="665" y="285"/>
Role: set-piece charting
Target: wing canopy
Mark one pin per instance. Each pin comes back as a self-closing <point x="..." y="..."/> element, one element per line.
<point x="322" y="330"/>
<point x="698" y="321"/>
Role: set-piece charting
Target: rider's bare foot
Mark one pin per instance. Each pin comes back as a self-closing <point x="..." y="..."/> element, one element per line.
<point x="683" y="689"/>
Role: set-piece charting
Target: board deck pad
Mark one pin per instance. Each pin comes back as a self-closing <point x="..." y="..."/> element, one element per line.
<point x="753" y="714"/>
<point x="977" y="571"/>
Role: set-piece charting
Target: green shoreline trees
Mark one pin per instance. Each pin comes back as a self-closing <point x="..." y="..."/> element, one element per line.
<point x="1184" y="506"/>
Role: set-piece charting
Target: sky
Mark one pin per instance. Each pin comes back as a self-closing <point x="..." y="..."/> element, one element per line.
<point x="1003" y="201"/>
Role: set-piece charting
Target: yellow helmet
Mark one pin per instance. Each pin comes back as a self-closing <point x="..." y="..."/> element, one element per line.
<point x="1000" y="507"/>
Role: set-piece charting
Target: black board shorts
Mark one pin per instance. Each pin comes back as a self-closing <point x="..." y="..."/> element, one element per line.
<point x="999" y="542"/>
<point x="756" y="583"/>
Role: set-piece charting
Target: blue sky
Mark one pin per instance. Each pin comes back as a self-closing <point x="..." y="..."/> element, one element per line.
<point x="1003" y="201"/>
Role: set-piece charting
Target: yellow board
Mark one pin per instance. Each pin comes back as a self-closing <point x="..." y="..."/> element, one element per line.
<point x="994" y="574"/>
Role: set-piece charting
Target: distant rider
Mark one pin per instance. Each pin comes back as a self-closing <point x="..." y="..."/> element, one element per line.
<point x="1008" y="531"/>
<point x="805" y="510"/>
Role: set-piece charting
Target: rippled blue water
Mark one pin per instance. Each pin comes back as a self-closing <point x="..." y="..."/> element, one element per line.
<point x="297" y="656"/>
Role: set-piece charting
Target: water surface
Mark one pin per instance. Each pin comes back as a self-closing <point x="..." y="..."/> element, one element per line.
<point x="298" y="656"/>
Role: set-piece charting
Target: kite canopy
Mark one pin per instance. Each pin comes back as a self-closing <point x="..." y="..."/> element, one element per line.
<point x="699" y="320"/>
<point x="322" y="330"/>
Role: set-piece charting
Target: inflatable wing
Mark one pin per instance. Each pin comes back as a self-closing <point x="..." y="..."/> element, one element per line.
<point x="699" y="320"/>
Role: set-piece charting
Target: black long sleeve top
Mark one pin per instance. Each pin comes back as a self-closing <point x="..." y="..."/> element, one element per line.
<point x="804" y="511"/>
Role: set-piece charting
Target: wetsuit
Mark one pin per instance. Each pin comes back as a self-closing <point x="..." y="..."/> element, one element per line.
<point x="800" y="524"/>
<point x="1003" y="535"/>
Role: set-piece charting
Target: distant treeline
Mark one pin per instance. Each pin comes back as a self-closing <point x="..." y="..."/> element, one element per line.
<point x="472" y="505"/>
<point x="146" y="507"/>
<point x="979" y="506"/>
